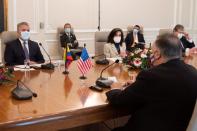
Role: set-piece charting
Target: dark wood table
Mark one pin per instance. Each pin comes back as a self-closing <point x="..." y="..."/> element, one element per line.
<point x="63" y="101"/>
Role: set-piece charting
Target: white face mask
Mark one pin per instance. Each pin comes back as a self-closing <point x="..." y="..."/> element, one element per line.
<point x="25" y="35"/>
<point x="180" y="35"/>
<point x="117" y="39"/>
<point x="135" y="31"/>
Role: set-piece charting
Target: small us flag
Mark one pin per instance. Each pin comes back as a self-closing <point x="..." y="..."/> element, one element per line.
<point x="84" y="63"/>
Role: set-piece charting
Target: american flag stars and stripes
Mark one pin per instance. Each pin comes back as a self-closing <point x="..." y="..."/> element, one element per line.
<point x="84" y="63"/>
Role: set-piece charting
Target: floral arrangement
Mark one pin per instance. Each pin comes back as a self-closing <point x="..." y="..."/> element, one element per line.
<point x="138" y="59"/>
<point x="5" y="74"/>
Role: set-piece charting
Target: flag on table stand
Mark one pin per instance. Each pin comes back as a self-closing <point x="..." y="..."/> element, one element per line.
<point x="84" y="63"/>
<point x="68" y="59"/>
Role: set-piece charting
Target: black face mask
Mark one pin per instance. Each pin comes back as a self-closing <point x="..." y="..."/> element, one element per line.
<point x="153" y="59"/>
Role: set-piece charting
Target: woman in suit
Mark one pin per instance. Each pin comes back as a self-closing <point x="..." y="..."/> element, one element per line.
<point x="135" y="38"/>
<point x="115" y="46"/>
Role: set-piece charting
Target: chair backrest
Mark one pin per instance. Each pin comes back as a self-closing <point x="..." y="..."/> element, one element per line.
<point x="6" y="37"/>
<point x="130" y="29"/>
<point x="193" y="122"/>
<point x="163" y="31"/>
<point x="100" y="40"/>
<point x="60" y="31"/>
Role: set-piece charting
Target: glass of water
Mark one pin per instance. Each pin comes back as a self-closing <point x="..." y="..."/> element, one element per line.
<point x="27" y="63"/>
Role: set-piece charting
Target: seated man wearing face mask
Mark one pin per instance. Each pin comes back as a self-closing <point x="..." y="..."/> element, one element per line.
<point x="68" y="38"/>
<point x="22" y="49"/>
<point x="134" y="38"/>
<point x="186" y="40"/>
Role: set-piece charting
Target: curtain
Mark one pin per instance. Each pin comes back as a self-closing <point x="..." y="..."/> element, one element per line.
<point x="2" y="24"/>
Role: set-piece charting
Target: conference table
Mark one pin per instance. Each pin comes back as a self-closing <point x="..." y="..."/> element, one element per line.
<point x="63" y="101"/>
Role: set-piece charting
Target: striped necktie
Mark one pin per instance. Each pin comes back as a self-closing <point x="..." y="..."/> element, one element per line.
<point x="25" y="50"/>
<point x="182" y="45"/>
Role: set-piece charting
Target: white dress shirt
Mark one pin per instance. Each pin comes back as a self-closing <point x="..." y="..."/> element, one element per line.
<point x="135" y="36"/>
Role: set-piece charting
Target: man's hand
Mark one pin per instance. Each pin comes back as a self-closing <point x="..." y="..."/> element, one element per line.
<point x="121" y="85"/>
<point x="193" y="51"/>
<point x="129" y="82"/>
<point x="32" y="62"/>
<point x="187" y="35"/>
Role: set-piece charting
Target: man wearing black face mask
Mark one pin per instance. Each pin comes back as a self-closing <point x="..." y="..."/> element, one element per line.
<point x="163" y="97"/>
<point x="134" y="38"/>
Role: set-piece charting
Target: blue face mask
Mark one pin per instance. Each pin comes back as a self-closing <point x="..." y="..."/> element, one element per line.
<point x="67" y="30"/>
<point x="25" y="35"/>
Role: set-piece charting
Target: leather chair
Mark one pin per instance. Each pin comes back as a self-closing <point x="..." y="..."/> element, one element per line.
<point x="193" y="122"/>
<point x="100" y="41"/>
<point x="6" y="37"/>
<point x="60" y="31"/>
<point x="163" y="31"/>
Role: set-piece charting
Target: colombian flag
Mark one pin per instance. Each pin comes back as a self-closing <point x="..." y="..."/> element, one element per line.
<point x="67" y="57"/>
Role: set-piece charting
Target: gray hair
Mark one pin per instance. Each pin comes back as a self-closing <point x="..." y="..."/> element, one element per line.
<point x="169" y="46"/>
<point x="20" y="24"/>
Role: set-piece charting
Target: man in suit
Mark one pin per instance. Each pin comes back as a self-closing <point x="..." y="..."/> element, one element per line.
<point x="134" y="38"/>
<point x="22" y="49"/>
<point x="163" y="97"/>
<point x="69" y="38"/>
<point x="186" y="40"/>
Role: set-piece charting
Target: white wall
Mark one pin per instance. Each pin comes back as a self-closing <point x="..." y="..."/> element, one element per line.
<point x="83" y="14"/>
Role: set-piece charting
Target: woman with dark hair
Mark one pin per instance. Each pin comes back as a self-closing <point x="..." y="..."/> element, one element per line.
<point x="115" y="44"/>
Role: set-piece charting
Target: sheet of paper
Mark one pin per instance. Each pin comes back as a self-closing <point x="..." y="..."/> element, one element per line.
<point x="58" y="62"/>
<point x="113" y="78"/>
<point x="115" y="58"/>
<point x="36" y="65"/>
<point x="22" y="68"/>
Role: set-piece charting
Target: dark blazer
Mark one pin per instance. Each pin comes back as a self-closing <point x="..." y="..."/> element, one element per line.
<point x="129" y="40"/>
<point x="15" y="55"/>
<point x="64" y="38"/>
<point x="186" y="43"/>
<point x="161" y="99"/>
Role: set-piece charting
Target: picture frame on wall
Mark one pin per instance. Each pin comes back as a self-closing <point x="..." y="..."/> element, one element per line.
<point x="3" y="15"/>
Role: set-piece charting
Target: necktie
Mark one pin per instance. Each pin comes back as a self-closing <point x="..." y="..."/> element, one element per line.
<point x="182" y="46"/>
<point x="26" y="51"/>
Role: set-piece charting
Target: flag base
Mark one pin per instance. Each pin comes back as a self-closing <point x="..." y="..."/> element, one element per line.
<point x="65" y="72"/>
<point x="83" y="77"/>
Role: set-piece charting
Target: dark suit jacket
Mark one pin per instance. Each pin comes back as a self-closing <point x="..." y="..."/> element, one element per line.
<point x="15" y="55"/>
<point x="186" y="43"/>
<point x="161" y="99"/>
<point x="64" y="38"/>
<point x="129" y="40"/>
